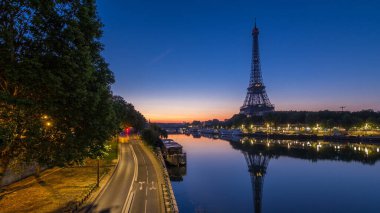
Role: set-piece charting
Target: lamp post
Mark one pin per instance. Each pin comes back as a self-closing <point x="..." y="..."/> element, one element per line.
<point x="98" y="173"/>
<point x="366" y="129"/>
<point x="317" y="129"/>
<point x="268" y="127"/>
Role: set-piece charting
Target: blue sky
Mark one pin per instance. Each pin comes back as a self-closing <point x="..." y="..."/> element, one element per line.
<point x="186" y="60"/>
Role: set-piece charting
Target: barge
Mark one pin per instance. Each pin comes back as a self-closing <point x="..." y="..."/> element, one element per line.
<point x="173" y="153"/>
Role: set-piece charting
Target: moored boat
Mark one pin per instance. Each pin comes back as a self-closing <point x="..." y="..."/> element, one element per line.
<point x="173" y="152"/>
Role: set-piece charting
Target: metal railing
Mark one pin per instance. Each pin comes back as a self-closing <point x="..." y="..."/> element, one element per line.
<point x="167" y="190"/>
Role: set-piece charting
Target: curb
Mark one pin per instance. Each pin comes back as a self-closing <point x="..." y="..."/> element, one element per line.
<point x="90" y="207"/>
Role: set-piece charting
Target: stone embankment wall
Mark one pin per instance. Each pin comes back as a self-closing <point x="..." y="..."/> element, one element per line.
<point x="167" y="190"/>
<point x="17" y="172"/>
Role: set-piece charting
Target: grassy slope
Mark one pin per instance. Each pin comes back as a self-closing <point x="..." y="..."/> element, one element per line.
<point x="55" y="188"/>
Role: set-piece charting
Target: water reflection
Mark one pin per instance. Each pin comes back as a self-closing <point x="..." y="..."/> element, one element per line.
<point x="258" y="153"/>
<point x="176" y="173"/>
<point x="257" y="167"/>
<point x="310" y="150"/>
<point x="233" y="174"/>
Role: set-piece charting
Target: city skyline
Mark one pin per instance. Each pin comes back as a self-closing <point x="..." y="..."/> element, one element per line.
<point x="180" y="62"/>
<point x="189" y="106"/>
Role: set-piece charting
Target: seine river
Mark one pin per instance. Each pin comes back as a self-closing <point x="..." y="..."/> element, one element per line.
<point x="251" y="175"/>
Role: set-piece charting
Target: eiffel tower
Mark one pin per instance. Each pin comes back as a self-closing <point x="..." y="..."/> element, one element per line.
<point x="256" y="102"/>
<point x="257" y="167"/>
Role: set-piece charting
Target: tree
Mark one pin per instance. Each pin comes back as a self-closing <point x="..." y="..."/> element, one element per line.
<point x="196" y="123"/>
<point x="150" y="137"/>
<point x="56" y="103"/>
<point x="327" y="119"/>
<point x="17" y="112"/>
<point x="161" y="132"/>
<point x="127" y="115"/>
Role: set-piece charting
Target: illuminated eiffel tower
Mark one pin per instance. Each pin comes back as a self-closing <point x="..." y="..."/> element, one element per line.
<point x="257" y="167"/>
<point x="256" y="102"/>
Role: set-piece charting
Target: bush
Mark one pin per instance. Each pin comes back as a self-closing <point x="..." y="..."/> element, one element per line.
<point x="150" y="137"/>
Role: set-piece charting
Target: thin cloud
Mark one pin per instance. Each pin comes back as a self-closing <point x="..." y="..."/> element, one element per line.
<point x="160" y="56"/>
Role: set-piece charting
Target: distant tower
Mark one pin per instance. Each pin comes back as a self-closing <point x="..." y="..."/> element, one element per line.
<point x="256" y="102"/>
<point x="257" y="167"/>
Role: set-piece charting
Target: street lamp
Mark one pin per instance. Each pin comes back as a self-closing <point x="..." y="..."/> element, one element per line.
<point x="268" y="127"/>
<point x="98" y="173"/>
<point x="366" y="128"/>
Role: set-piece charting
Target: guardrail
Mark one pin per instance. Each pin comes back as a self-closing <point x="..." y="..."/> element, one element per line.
<point x="167" y="190"/>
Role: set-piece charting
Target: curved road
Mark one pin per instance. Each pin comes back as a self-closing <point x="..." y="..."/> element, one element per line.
<point x="134" y="185"/>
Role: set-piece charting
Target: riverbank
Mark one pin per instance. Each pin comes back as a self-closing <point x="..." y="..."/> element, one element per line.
<point x="301" y="137"/>
<point x="57" y="189"/>
<point x="328" y="138"/>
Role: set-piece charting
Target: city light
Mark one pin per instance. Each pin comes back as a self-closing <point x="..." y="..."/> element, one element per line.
<point x="367" y="126"/>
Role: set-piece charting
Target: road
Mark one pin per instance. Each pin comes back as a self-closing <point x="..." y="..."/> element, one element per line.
<point x="133" y="187"/>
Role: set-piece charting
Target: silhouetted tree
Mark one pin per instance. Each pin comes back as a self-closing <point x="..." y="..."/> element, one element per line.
<point x="56" y="105"/>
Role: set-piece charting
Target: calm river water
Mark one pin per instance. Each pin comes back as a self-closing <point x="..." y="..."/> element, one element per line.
<point x="249" y="175"/>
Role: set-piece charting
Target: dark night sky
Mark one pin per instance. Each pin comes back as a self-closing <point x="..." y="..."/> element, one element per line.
<point x="186" y="60"/>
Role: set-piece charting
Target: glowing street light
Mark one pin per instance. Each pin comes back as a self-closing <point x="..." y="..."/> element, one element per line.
<point x="366" y="126"/>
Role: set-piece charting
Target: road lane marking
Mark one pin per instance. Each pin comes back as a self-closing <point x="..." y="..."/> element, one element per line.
<point x="146" y="165"/>
<point x="146" y="201"/>
<point x="128" y="200"/>
<point x="136" y="164"/>
<point x="141" y="183"/>
<point x="152" y="188"/>
<point x="127" y="207"/>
